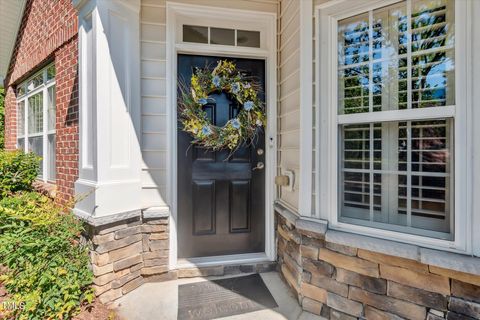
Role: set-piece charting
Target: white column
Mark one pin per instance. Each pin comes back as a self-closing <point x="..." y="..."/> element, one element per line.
<point x="109" y="84"/>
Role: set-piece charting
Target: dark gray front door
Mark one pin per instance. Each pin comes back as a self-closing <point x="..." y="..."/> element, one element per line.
<point x="221" y="203"/>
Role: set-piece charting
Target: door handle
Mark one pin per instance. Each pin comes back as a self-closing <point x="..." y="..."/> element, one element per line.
<point x="260" y="166"/>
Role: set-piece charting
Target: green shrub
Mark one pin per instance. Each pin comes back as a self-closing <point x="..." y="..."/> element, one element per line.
<point x="18" y="170"/>
<point x="47" y="266"/>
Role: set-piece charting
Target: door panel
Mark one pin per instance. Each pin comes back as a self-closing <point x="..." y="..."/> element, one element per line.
<point x="240" y="206"/>
<point x="221" y="201"/>
<point x="203" y="207"/>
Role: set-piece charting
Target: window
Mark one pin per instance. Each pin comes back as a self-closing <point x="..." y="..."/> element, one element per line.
<point x="36" y="119"/>
<point x="395" y="118"/>
<point x="222" y="36"/>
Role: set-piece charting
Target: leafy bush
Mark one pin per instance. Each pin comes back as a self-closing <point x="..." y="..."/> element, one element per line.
<point x="18" y="170"/>
<point x="47" y="267"/>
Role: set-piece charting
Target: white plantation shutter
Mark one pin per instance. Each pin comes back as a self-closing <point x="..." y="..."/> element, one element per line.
<point x="395" y="64"/>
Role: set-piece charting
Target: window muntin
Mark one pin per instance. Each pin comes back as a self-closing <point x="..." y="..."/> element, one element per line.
<point x="36" y="119"/>
<point x="397" y="174"/>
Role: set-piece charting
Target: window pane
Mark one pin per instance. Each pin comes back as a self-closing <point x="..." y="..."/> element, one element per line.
<point x="51" y="108"/>
<point x="398" y="176"/>
<point x="51" y="157"/>
<point x="35" y="114"/>
<point x="21" y="118"/>
<point x="35" y="145"/>
<point x="222" y="36"/>
<point x="21" y="144"/>
<point x="35" y="82"/>
<point x="248" y="38"/>
<point x="51" y="72"/>
<point x="195" y="34"/>
<point x="385" y="64"/>
<point x="21" y="90"/>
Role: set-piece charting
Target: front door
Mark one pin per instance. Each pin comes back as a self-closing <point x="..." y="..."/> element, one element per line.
<point x="221" y="199"/>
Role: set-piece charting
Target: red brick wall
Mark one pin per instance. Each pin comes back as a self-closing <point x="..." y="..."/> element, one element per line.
<point x="48" y="33"/>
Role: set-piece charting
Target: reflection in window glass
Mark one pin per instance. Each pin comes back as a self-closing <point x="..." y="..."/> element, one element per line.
<point x="51" y="111"/>
<point x="248" y="38"/>
<point x="195" y="34"/>
<point x="51" y="157"/>
<point x="222" y="36"/>
<point x="51" y="72"/>
<point x="21" y="144"/>
<point x="35" y="82"/>
<point x="35" y="113"/>
<point x="35" y="145"/>
<point x="21" y="118"/>
<point x="379" y="54"/>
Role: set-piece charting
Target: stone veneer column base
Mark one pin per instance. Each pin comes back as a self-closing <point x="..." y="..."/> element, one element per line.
<point x="128" y="253"/>
<point x="339" y="281"/>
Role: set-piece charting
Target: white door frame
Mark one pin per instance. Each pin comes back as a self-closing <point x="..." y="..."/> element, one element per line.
<point x="265" y="22"/>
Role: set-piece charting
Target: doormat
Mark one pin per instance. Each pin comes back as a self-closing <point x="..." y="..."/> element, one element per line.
<point x="223" y="298"/>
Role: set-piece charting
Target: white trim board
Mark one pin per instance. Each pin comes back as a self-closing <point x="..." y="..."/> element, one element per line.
<point x="306" y="109"/>
<point x="238" y="19"/>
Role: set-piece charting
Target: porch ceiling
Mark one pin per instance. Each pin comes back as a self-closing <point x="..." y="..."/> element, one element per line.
<point x="10" y="16"/>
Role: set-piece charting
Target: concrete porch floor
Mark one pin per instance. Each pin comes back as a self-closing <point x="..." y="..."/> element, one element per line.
<point x="154" y="301"/>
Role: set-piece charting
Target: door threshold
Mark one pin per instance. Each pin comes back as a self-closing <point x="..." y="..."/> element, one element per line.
<point x="244" y="258"/>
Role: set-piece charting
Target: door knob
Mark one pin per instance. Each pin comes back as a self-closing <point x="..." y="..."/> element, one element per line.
<point x="260" y="166"/>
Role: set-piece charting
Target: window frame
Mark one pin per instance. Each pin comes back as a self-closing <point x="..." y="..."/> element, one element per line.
<point x="327" y="18"/>
<point x="45" y="133"/>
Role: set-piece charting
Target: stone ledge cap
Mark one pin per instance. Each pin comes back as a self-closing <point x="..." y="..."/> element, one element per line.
<point x="450" y="260"/>
<point x="285" y="212"/>
<point x="318" y="227"/>
<point x="387" y="247"/>
<point x="156" y="212"/>
<point x="100" y="221"/>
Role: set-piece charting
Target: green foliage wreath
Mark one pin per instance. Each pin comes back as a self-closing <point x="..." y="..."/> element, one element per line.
<point x="225" y="77"/>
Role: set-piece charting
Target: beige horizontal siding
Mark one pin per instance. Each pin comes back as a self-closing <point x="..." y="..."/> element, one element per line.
<point x="289" y="96"/>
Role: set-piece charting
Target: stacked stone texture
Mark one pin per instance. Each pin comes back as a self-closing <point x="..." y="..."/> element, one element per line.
<point x="340" y="282"/>
<point x="127" y="254"/>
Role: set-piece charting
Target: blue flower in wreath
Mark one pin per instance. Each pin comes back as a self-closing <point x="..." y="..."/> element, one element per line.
<point x="202" y="101"/>
<point x="236" y="123"/>
<point x="236" y="87"/>
<point x="206" y="131"/>
<point x="216" y="81"/>
<point x="248" y="105"/>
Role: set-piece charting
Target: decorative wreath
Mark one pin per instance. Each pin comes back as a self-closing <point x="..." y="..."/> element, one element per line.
<point x="243" y="129"/>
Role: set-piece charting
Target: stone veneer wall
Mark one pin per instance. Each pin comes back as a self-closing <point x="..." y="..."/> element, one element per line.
<point x="127" y="254"/>
<point x="131" y="252"/>
<point x="342" y="282"/>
